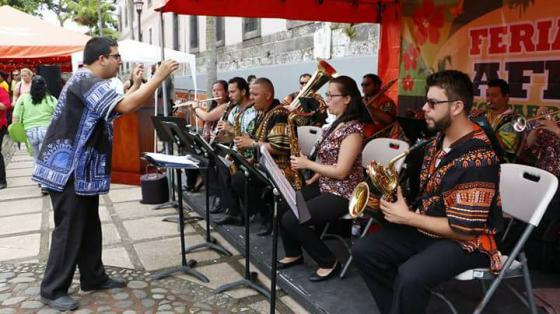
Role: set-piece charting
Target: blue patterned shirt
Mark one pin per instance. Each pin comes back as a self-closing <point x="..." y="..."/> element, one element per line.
<point x="80" y="137"/>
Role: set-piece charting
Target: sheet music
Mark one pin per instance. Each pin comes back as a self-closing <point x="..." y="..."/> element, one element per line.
<point x="284" y="186"/>
<point x="171" y="159"/>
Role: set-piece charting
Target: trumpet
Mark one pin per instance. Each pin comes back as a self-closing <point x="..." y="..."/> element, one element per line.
<point x="522" y="124"/>
<point x="385" y="179"/>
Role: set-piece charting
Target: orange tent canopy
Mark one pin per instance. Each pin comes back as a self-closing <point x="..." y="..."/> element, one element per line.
<point x="26" y="36"/>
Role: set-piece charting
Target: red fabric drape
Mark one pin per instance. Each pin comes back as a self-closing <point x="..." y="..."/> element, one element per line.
<point x="390" y="48"/>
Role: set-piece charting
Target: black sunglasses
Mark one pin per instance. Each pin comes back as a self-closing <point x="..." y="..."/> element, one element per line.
<point x="433" y="102"/>
<point x="303" y="83"/>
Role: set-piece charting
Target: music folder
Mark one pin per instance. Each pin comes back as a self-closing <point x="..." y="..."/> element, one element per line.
<point x="173" y="161"/>
<point x="294" y="199"/>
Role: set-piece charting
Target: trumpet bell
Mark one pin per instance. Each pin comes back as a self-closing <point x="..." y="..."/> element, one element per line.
<point x="519" y="124"/>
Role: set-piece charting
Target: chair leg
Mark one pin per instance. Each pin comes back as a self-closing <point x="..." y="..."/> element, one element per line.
<point x="446" y="300"/>
<point x="325" y="230"/>
<point x="528" y="286"/>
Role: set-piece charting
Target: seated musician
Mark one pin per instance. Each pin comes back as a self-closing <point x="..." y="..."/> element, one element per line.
<point x="243" y="115"/>
<point x="337" y="172"/>
<point x="286" y="101"/>
<point x="451" y="226"/>
<point x="270" y="131"/>
<point x="315" y="100"/>
<point x="500" y="115"/>
<point x="381" y="108"/>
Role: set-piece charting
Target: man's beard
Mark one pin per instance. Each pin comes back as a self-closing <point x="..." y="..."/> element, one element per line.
<point x="441" y="125"/>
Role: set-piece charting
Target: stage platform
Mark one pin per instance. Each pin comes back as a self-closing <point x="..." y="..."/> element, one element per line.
<point x="350" y="295"/>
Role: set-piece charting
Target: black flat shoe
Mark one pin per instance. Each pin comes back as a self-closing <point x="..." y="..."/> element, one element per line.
<point x="265" y="231"/>
<point x="315" y="277"/>
<point x="63" y="303"/>
<point x="228" y="219"/>
<point x="280" y="265"/>
<point x="217" y="210"/>
<point x="111" y="283"/>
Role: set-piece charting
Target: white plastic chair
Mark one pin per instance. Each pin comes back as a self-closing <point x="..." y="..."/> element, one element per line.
<point x="525" y="192"/>
<point x="307" y="136"/>
<point x="381" y="150"/>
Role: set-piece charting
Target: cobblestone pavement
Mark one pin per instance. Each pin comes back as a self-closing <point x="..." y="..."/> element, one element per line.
<point x="136" y="243"/>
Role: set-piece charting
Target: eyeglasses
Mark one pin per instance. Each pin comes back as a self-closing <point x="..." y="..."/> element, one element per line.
<point x="117" y="56"/>
<point x="433" y="102"/>
<point x="15" y="74"/>
<point x="329" y="96"/>
<point x="303" y="83"/>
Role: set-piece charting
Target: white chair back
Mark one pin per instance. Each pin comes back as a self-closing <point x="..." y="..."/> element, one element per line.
<point x="383" y="150"/>
<point x="307" y="136"/>
<point x="526" y="191"/>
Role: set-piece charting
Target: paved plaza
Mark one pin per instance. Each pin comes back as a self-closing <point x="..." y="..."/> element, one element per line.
<point x="136" y="243"/>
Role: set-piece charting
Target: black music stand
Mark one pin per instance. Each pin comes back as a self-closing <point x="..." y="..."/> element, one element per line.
<point x="295" y="201"/>
<point x="250" y="173"/>
<point x="168" y="139"/>
<point x="211" y="156"/>
<point x="183" y="139"/>
<point x="185" y="267"/>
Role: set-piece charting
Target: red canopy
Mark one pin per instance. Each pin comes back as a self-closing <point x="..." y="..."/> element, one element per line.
<point x="27" y="41"/>
<point x="342" y="11"/>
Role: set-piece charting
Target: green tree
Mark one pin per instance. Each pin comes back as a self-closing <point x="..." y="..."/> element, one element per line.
<point x="96" y="15"/>
<point x="60" y="8"/>
<point x="27" y="6"/>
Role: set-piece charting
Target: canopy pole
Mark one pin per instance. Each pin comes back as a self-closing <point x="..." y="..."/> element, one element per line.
<point x="163" y="85"/>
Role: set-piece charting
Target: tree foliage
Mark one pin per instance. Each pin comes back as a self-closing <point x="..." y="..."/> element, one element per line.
<point x="96" y="15"/>
<point x="27" y="6"/>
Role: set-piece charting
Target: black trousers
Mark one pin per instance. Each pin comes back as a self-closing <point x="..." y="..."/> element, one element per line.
<point x="76" y="240"/>
<point x="3" y="131"/>
<point x="400" y="265"/>
<point x="324" y="208"/>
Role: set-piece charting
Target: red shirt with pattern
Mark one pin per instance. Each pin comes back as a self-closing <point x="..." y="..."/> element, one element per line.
<point x="327" y="154"/>
<point x="548" y="152"/>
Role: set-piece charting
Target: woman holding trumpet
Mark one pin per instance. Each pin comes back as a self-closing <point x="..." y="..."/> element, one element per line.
<point x="337" y="171"/>
<point x="215" y="110"/>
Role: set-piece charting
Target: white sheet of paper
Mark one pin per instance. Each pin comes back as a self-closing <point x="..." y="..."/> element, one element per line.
<point x="171" y="159"/>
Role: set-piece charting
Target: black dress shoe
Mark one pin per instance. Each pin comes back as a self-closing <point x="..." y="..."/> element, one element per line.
<point x="315" y="277"/>
<point x="63" y="303"/>
<point x="266" y="230"/>
<point x="229" y="219"/>
<point x="217" y="210"/>
<point x="280" y="265"/>
<point x="111" y="283"/>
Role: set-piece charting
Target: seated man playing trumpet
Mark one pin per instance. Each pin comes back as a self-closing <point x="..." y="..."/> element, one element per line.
<point x="451" y="226"/>
<point x="338" y="170"/>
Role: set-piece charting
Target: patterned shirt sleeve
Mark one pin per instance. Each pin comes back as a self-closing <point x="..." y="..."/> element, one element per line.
<point x="101" y="98"/>
<point x="469" y="192"/>
<point x="277" y="133"/>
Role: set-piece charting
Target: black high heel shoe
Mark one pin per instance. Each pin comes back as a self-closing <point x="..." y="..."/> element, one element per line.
<point x="316" y="277"/>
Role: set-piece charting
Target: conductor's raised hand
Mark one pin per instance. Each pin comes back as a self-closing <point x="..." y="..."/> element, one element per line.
<point x="165" y="69"/>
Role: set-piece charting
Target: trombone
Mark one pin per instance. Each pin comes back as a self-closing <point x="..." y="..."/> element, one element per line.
<point x="523" y="124"/>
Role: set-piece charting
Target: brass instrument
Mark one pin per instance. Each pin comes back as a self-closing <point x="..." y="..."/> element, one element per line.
<point x="321" y="76"/>
<point x="522" y="124"/>
<point x="381" y="91"/>
<point x="385" y="179"/>
<point x="236" y="132"/>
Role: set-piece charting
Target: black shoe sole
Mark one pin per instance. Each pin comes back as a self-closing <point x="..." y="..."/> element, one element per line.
<point x="51" y="304"/>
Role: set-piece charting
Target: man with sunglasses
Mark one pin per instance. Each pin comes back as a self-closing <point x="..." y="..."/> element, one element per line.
<point x="451" y="225"/>
<point x="74" y="164"/>
<point x="286" y="101"/>
<point x="381" y="108"/>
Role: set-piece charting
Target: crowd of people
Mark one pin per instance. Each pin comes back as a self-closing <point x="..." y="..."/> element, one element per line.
<point x="447" y="227"/>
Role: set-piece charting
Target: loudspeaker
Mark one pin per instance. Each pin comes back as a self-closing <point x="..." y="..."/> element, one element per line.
<point x="51" y="73"/>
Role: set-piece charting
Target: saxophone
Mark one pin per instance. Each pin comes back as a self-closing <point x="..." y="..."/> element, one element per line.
<point x="297" y="176"/>
<point x="233" y="168"/>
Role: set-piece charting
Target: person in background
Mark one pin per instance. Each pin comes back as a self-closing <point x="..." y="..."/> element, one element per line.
<point x="381" y="108"/>
<point x="251" y="78"/>
<point x="5" y="106"/>
<point x="35" y="110"/>
<point x="3" y="83"/>
<point x="15" y="80"/>
<point x="24" y="85"/>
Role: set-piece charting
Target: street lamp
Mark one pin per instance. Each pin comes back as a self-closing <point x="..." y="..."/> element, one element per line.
<point x="138" y="4"/>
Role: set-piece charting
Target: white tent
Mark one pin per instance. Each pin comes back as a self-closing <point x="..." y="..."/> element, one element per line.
<point x="138" y="52"/>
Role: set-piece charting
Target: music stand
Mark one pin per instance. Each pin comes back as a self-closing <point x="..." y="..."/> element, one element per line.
<point x="211" y="242"/>
<point x="183" y="140"/>
<point x="249" y="280"/>
<point x="168" y="139"/>
<point x="296" y="203"/>
<point x="185" y="267"/>
<point x="414" y="128"/>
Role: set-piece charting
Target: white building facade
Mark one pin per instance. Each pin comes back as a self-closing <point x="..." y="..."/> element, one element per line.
<point x="275" y="48"/>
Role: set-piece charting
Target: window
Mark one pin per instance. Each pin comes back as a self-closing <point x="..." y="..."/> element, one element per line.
<point x="150" y="36"/>
<point x="220" y="31"/>
<point x="193" y="32"/>
<point x="251" y="28"/>
<point x="175" y="31"/>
